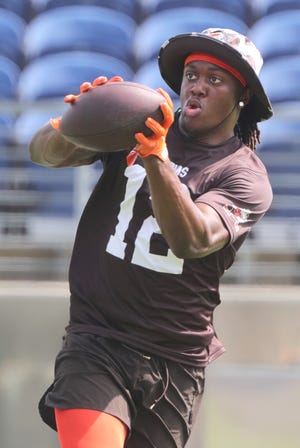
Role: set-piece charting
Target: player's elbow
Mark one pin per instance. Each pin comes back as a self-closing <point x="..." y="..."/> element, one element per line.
<point x="197" y="247"/>
<point x="186" y="249"/>
<point x="37" y="156"/>
<point x="34" y="153"/>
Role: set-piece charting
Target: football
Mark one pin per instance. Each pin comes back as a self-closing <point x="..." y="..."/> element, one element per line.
<point x="106" y="117"/>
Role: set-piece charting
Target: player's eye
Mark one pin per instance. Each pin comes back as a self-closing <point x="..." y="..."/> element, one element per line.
<point x="214" y="79"/>
<point x="190" y="76"/>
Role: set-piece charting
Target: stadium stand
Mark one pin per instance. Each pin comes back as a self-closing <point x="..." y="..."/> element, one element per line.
<point x="149" y="74"/>
<point x="281" y="5"/>
<point x="277" y="34"/>
<point x="84" y="28"/>
<point x="12" y="28"/>
<point x="175" y="21"/>
<point x="58" y="74"/>
<point x="9" y="77"/>
<point x="263" y="8"/>
<point x="38" y="66"/>
<point x="7" y="126"/>
<point x="129" y="7"/>
<point x="286" y="89"/>
<point x="29" y="121"/>
<point x="20" y="7"/>
<point x="282" y="159"/>
<point x="240" y="7"/>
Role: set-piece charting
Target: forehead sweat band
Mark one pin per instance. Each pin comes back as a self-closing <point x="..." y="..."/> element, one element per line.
<point x="216" y="61"/>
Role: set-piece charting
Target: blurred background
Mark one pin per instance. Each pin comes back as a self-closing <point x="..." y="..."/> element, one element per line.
<point x="47" y="49"/>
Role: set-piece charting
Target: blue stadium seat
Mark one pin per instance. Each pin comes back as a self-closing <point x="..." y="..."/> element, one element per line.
<point x="12" y="28"/>
<point x="84" y="28"/>
<point x="9" y="77"/>
<point x="20" y="7"/>
<point x="29" y="121"/>
<point x="280" y="152"/>
<point x="7" y="122"/>
<point x="239" y="7"/>
<point x="277" y="34"/>
<point x="56" y="75"/>
<point x="56" y="189"/>
<point x="52" y="190"/>
<point x="44" y="179"/>
<point x="262" y="8"/>
<point x="281" y="5"/>
<point x="129" y="7"/>
<point x="157" y="28"/>
<point x="280" y="78"/>
<point x="279" y="130"/>
<point x="149" y="75"/>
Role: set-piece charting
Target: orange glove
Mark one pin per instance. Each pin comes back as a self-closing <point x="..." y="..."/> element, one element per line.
<point x="85" y="87"/>
<point x="155" y="144"/>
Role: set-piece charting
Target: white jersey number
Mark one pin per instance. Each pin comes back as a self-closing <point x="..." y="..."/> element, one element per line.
<point x="141" y="254"/>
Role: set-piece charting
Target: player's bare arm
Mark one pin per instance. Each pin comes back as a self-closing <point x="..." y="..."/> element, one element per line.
<point x="49" y="148"/>
<point x="191" y="230"/>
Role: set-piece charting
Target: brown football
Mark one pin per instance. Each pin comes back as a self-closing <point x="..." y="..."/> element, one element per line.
<point x="106" y="117"/>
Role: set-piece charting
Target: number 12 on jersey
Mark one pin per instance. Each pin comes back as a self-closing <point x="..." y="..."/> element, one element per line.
<point x="141" y="253"/>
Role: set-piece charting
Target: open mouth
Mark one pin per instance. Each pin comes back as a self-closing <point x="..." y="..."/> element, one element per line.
<point x="192" y="107"/>
<point x="193" y="104"/>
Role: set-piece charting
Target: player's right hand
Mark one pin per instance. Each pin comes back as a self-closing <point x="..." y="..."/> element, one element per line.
<point x="84" y="87"/>
<point x="154" y="145"/>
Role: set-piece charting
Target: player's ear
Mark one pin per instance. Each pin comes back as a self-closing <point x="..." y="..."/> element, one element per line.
<point x="245" y="97"/>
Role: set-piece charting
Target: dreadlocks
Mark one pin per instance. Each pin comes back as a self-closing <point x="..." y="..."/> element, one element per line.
<point x="247" y="130"/>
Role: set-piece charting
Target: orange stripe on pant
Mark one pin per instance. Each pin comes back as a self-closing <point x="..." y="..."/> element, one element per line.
<point x="87" y="428"/>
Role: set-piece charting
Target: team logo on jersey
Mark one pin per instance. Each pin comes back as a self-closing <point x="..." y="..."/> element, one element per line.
<point x="180" y="170"/>
<point x="239" y="215"/>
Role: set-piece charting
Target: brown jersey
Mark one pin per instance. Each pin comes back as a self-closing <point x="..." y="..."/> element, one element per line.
<point x="126" y="283"/>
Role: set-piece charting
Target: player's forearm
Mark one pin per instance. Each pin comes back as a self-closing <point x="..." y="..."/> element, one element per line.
<point x="180" y="220"/>
<point x="49" y="148"/>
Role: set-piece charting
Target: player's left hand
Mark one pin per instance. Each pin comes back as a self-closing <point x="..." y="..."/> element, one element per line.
<point x="155" y="144"/>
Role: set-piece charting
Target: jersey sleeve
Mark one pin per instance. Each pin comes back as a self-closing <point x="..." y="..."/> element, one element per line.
<point x="241" y="199"/>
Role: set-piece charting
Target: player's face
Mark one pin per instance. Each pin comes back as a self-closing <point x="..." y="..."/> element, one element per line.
<point x="209" y="98"/>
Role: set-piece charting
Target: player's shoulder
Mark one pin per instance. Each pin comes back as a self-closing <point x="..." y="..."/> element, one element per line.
<point x="246" y="158"/>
